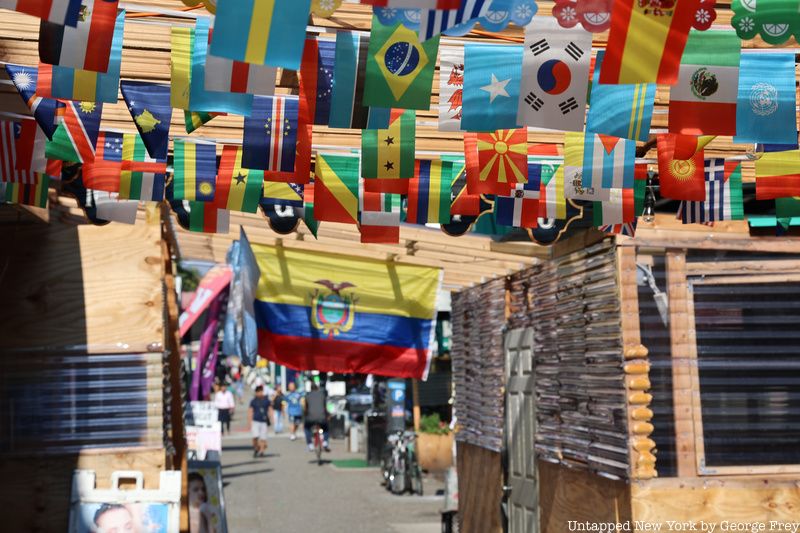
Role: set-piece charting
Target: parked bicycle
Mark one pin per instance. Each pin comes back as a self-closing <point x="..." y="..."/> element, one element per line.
<point x="401" y="471"/>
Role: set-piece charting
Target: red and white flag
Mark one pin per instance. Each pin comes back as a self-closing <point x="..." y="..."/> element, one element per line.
<point x="9" y="132"/>
<point x="229" y="76"/>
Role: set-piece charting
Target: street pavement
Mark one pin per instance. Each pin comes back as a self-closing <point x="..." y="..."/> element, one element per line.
<point x="287" y="491"/>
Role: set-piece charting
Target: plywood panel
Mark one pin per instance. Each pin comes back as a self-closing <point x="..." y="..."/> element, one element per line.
<point x="577" y="495"/>
<point x="480" y="489"/>
<point x="86" y="288"/>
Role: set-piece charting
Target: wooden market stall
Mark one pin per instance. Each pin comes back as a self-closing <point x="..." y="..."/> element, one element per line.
<point x="664" y="381"/>
<point x="87" y="359"/>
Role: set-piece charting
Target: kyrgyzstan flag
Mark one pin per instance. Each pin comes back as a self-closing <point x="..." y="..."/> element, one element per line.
<point x="679" y="179"/>
<point x="704" y="100"/>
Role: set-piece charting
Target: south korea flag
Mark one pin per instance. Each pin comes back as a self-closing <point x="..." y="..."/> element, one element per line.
<point x="555" y="75"/>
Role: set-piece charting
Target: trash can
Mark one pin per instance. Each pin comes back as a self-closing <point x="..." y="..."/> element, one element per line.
<point x="376" y="436"/>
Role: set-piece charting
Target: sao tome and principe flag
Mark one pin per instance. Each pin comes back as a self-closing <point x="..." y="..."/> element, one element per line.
<point x="86" y="46"/>
<point x="262" y="32"/>
<point x="492" y="78"/>
<point x="331" y="313"/>
<point x="646" y="41"/>
<point x="56" y="81"/>
<point x="680" y="179"/>
<point x="75" y="137"/>
<point x="429" y="193"/>
<point x="148" y="104"/>
<point x="723" y="195"/>
<point x="778" y="175"/>
<point x="767" y="100"/>
<point x="336" y="188"/>
<point x="521" y="208"/>
<point x="496" y="161"/>
<point x="388" y="154"/>
<point x="704" y="100"/>
<point x="45" y="110"/>
<point x="399" y="70"/>
<point x="238" y="189"/>
<point x="555" y="73"/>
<point x="194" y="171"/>
<point x="63" y="12"/>
<point x="379" y="217"/>
<point x="620" y="110"/>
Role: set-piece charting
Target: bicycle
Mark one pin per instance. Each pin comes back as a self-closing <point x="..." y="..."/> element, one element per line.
<point x="401" y="471"/>
<point x="318" y="442"/>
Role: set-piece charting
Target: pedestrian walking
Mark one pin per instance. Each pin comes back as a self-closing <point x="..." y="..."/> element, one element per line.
<point x="294" y="408"/>
<point x="258" y="417"/>
<point x="225" y="404"/>
<point x="277" y="408"/>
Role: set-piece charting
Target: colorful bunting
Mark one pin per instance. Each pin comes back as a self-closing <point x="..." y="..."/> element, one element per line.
<point x="521" y="208"/>
<point x="208" y="218"/>
<point x="496" y="161"/>
<point x="574" y="188"/>
<point x="194" y="171"/>
<point x="492" y="77"/>
<point x="29" y="147"/>
<point x="778" y="175"/>
<point x="63" y="12"/>
<point x="462" y="203"/>
<point x="262" y="32"/>
<point x="270" y="138"/>
<point x="151" y="112"/>
<point x="86" y="46"/>
<point x="195" y="119"/>
<point x="44" y="110"/>
<point x="379" y="217"/>
<point x="619" y="208"/>
<point x="399" y="72"/>
<point x="679" y="179"/>
<point x="9" y="136"/>
<point x="227" y="75"/>
<point x="85" y="85"/>
<point x="76" y="137"/>
<point x="283" y="194"/>
<point x="238" y="189"/>
<point x="552" y="203"/>
<point x="555" y="70"/>
<point x="608" y="162"/>
<point x="765" y="108"/>
<point x="593" y="15"/>
<point x="620" y="110"/>
<point x="723" y="195"/>
<point x="433" y="22"/>
<point x="388" y="154"/>
<point x="32" y="194"/>
<point x="429" y="193"/>
<point x="451" y="87"/>
<point x="316" y="81"/>
<point x="350" y="60"/>
<point x="646" y="41"/>
<point x="704" y="100"/>
<point x="336" y="187"/>
<point x="122" y="165"/>
<point x="628" y="229"/>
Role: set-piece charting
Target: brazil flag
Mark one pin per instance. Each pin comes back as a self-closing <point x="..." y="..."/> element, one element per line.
<point x="399" y="68"/>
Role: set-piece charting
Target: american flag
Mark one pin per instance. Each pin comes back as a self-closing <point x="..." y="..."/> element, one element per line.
<point x="723" y="201"/>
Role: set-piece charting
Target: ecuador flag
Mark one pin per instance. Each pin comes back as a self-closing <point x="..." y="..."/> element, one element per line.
<point x="336" y="313"/>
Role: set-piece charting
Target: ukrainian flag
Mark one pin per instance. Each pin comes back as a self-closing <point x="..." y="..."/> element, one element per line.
<point x="336" y="313"/>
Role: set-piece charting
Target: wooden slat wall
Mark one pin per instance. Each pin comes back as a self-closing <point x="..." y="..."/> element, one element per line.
<point x="480" y="489"/>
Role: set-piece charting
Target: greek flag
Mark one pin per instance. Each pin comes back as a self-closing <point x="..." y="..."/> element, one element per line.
<point x="432" y="22"/>
<point x="723" y="195"/>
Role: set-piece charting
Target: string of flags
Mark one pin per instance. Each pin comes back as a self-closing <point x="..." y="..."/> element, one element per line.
<point x="376" y="82"/>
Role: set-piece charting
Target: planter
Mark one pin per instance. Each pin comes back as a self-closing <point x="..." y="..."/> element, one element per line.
<point x="435" y="452"/>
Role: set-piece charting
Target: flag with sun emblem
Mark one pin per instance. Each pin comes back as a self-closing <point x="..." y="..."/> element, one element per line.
<point x="492" y="77"/>
<point x="399" y="68"/>
<point x="270" y="137"/>
<point x="194" y="171"/>
<point x="679" y="179"/>
<point x="76" y="137"/>
<point x="238" y="189"/>
<point x="764" y="110"/>
<point x="44" y="110"/>
<point x="388" y="154"/>
<point x="148" y="104"/>
<point x="496" y="161"/>
<point x="69" y="83"/>
<point x="64" y="12"/>
<point x="86" y="46"/>
<point x="704" y="100"/>
<point x="555" y="70"/>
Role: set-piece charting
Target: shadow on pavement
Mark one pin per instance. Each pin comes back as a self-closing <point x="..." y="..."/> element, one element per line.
<point x="253" y="462"/>
<point x="248" y="473"/>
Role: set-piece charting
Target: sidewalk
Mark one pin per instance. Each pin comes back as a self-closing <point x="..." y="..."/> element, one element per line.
<point x="287" y="491"/>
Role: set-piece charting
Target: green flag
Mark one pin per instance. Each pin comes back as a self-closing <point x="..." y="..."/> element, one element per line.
<point x="389" y="153"/>
<point x="399" y="68"/>
<point x="60" y="146"/>
<point x="786" y="209"/>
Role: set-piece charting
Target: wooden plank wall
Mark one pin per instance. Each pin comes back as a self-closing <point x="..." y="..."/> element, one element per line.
<point x="480" y="489"/>
<point x="567" y="494"/>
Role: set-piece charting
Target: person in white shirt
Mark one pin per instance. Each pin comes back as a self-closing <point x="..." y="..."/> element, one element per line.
<point x="225" y="404"/>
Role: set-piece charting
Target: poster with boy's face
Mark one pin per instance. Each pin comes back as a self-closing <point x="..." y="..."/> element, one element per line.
<point x="206" y="500"/>
<point x="123" y="518"/>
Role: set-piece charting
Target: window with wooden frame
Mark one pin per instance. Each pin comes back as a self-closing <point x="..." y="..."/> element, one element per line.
<point x="743" y="353"/>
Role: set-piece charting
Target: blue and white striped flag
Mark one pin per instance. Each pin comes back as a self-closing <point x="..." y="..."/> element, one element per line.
<point x="723" y="195"/>
<point x="432" y="22"/>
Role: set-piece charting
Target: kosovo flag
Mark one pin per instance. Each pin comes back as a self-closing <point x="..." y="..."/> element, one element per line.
<point x="194" y="171"/>
<point x="151" y="111"/>
<point x="399" y="68"/>
<point x="25" y="80"/>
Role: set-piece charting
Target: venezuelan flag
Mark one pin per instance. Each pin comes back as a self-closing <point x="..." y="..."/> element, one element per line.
<point x="262" y="32"/>
<point x="429" y="193"/>
<point x="238" y="189"/>
<point x="336" y="313"/>
<point x="194" y="171"/>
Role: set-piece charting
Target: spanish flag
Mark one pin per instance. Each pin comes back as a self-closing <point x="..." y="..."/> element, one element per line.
<point x="646" y="41"/>
<point x="336" y="313"/>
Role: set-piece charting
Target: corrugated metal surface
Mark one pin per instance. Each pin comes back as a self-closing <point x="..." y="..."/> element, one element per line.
<point x="748" y="350"/>
<point x="64" y="403"/>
